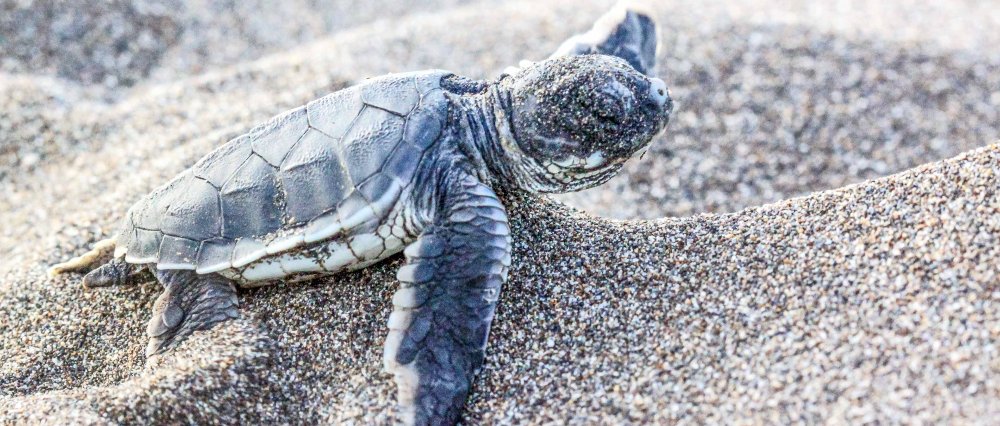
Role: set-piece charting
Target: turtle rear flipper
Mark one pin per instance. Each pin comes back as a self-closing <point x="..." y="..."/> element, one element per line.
<point x="189" y="302"/>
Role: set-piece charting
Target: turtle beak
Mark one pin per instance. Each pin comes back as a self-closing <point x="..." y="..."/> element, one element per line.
<point x="660" y="95"/>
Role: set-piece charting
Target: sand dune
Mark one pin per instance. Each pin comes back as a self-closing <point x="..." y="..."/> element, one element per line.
<point x="876" y="300"/>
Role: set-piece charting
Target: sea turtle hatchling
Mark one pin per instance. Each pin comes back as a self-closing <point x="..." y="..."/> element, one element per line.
<point x="403" y="161"/>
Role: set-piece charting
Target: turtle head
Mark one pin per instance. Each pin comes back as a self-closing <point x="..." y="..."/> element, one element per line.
<point x="575" y="120"/>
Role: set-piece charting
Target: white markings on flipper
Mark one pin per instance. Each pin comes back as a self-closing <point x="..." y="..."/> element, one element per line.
<point x="399" y="320"/>
<point x="406" y="378"/>
<point x="407" y="273"/>
<point x="405" y="375"/>
<point x="404" y="300"/>
<point x="428" y="246"/>
<point x="408" y="297"/>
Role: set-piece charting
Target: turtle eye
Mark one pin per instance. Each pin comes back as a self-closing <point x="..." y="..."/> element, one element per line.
<point x="614" y="102"/>
<point x="609" y="109"/>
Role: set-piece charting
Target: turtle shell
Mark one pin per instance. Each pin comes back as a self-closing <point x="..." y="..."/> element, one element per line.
<point x="334" y="166"/>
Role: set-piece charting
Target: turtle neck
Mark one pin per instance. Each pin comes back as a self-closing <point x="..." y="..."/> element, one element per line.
<point x="489" y="138"/>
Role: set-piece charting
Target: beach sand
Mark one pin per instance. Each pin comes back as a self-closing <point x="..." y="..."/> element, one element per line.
<point x="814" y="239"/>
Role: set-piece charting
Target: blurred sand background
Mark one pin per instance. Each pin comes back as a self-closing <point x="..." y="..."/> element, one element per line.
<point x="876" y="301"/>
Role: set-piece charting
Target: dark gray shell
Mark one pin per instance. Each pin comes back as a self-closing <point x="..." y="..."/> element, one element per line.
<point x="334" y="166"/>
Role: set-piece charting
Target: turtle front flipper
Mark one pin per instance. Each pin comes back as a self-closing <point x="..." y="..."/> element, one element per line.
<point x="626" y="31"/>
<point x="189" y="302"/>
<point x="445" y="304"/>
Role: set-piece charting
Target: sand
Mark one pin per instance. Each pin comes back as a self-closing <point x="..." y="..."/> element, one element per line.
<point x="767" y="290"/>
